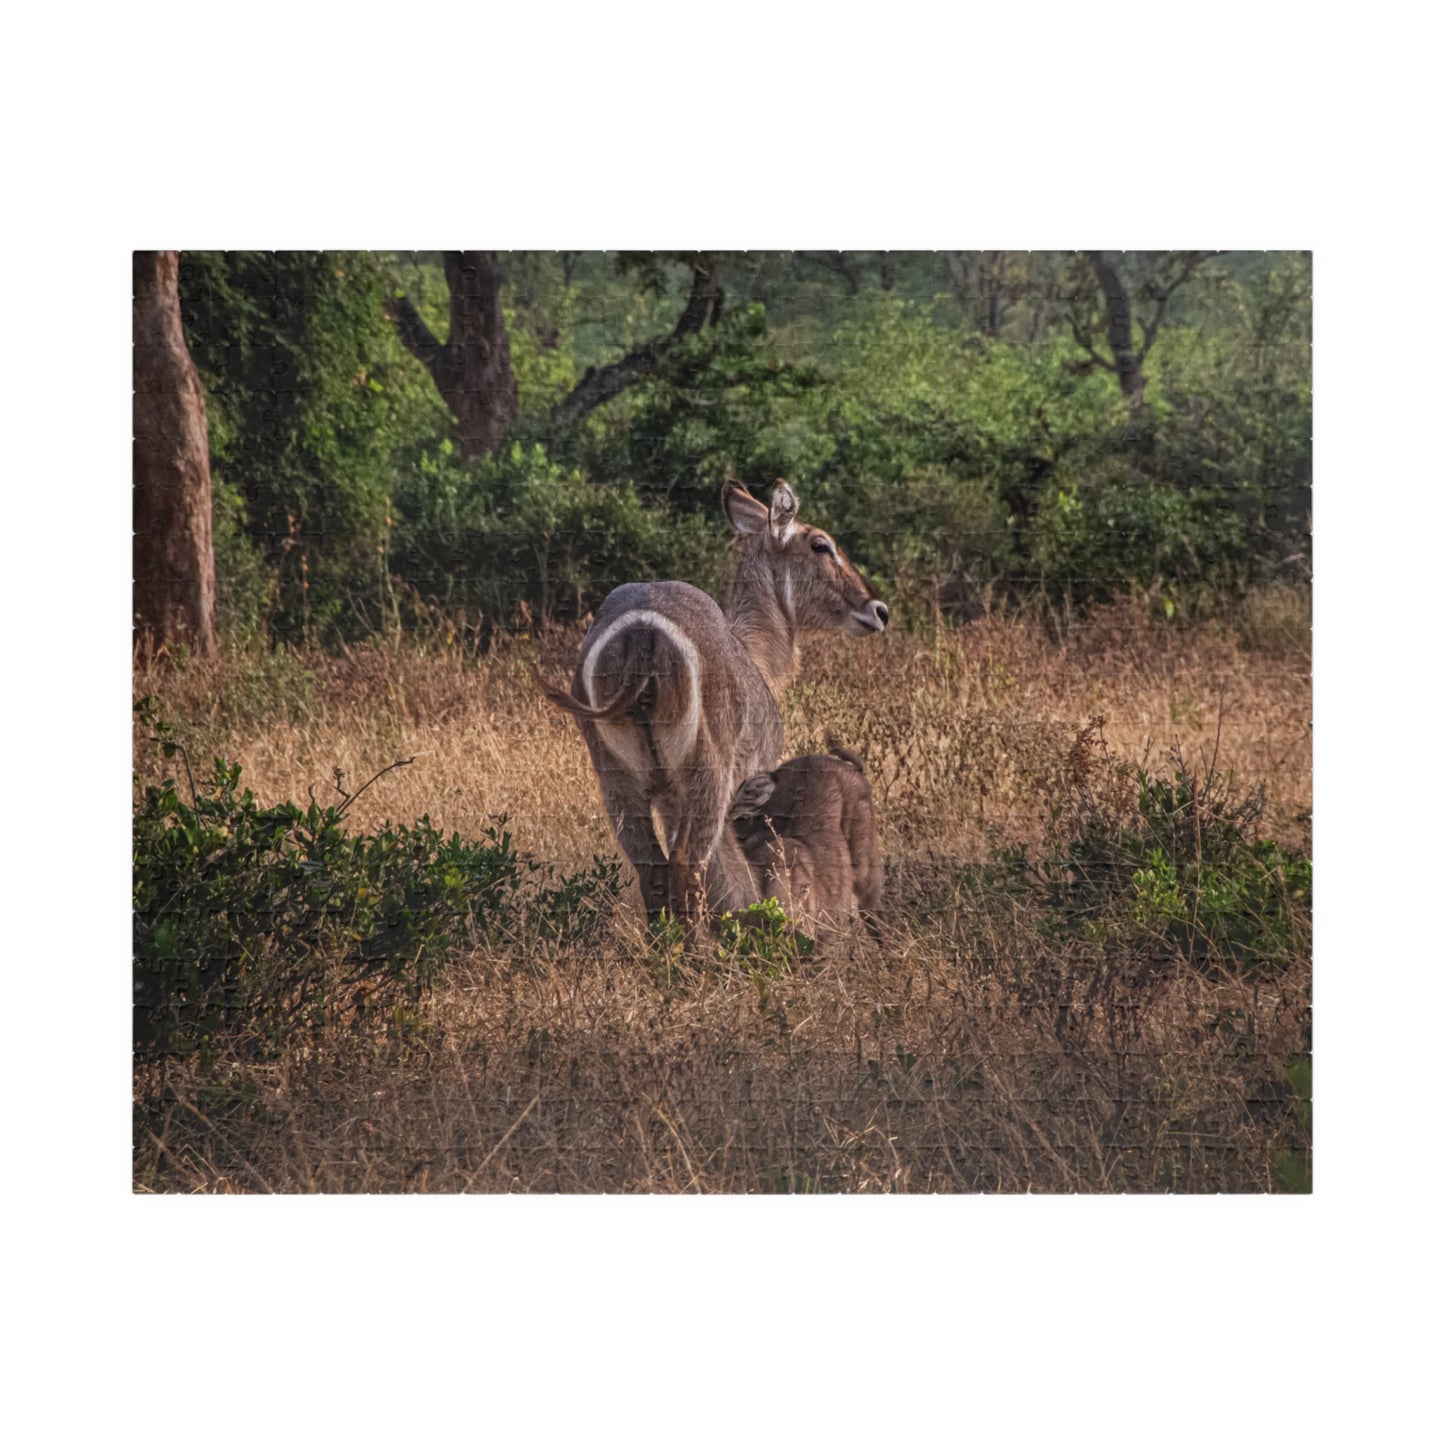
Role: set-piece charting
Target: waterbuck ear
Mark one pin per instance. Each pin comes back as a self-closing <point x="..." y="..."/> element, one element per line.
<point x="744" y="511"/>
<point x="751" y="795"/>
<point x="782" y="510"/>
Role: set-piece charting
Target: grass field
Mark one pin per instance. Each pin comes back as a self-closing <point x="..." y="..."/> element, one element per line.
<point x="1031" y="1022"/>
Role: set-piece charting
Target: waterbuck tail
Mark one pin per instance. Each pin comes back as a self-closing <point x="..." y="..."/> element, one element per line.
<point x="846" y="755"/>
<point x="622" y="705"/>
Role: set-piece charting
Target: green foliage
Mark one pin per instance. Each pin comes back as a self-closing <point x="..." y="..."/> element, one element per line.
<point x="962" y="457"/>
<point x="911" y="394"/>
<point x="520" y="533"/>
<point x="245" y="587"/>
<point x="1291" y="1165"/>
<point x="945" y="541"/>
<point x="1099" y="533"/>
<point x="1245" y="911"/>
<point x="540" y="306"/>
<point x="1235" y="402"/>
<point x="1178" y="865"/>
<point x="272" y="925"/>
<point x="761" y="940"/>
<point x="758" y="942"/>
<point x="578" y="908"/>
<point x="314" y="412"/>
<point x="724" y="405"/>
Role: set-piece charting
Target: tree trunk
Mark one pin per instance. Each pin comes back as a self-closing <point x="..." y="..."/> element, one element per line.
<point x="1120" y="327"/>
<point x="993" y="277"/>
<point x="473" y="370"/>
<point x="977" y="278"/>
<point x="174" y="581"/>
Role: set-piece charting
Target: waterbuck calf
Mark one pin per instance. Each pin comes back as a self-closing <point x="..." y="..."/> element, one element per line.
<point x="811" y="840"/>
<point x="678" y="700"/>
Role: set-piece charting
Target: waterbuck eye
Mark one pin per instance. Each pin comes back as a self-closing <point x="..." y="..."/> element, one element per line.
<point x="819" y="545"/>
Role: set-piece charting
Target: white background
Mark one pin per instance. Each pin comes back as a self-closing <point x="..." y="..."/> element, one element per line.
<point x="1240" y="126"/>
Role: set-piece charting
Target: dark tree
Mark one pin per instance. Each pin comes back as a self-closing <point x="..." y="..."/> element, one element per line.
<point x="1167" y="274"/>
<point x="174" y="575"/>
<point x="473" y="368"/>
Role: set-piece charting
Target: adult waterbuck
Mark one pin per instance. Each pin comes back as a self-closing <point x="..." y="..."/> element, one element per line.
<point x="809" y="834"/>
<point x="678" y="700"/>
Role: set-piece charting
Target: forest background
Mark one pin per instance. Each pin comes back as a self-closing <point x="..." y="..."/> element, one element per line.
<point x="399" y="482"/>
<point x="472" y="440"/>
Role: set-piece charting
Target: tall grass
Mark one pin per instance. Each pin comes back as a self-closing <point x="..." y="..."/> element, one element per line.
<point x="1012" y="1033"/>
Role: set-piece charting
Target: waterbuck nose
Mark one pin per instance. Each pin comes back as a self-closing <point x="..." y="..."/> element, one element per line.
<point x="880" y="611"/>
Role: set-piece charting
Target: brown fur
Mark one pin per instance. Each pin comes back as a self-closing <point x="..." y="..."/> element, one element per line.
<point x="660" y="748"/>
<point x="810" y="837"/>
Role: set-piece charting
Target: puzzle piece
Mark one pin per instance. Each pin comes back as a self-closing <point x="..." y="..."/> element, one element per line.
<point x="1039" y="569"/>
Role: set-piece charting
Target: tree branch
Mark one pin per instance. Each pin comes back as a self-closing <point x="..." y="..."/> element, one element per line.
<point x="352" y="797"/>
<point x="418" y="338"/>
<point x="602" y="383"/>
<point x="1082" y="340"/>
<point x="1189" y="264"/>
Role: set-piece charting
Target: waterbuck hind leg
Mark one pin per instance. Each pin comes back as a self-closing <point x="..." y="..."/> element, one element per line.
<point x="630" y="811"/>
<point x="795" y="874"/>
<point x="636" y="837"/>
<point x="687" y="867"/>
<point x="694" y="864"/>
<point x="631" y="818"/>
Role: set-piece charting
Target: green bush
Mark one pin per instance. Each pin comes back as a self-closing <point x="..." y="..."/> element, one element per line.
<point x="272" y="925"/>
<point x="519" y="533"/>
<point x="945" y="542"/>
<point x="1178" y="863"/>
<point x="1097" y="536"/>
<point x="246" y="590"/>
<point x="723" y="405"/>
<point x="762" y="940"/>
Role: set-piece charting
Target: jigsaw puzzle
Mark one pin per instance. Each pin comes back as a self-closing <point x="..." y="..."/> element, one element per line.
<point x="722" y="722"/>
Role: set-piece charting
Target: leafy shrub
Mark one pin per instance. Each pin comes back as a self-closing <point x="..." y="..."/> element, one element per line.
<point x="1235" y="401"/>
<point x="1292" y="1165"/>
<point x="271" y="924"/>
<point x="246" y="591"/>
<point x="1180" y="862"/>
<point x="1095" y="537"/>
<point x="758" y="941"/>
<point x="761" y="939"/>
<point x="724" y="404"/>
<point x="945" y="542"/>
<point x="520" y="534"/>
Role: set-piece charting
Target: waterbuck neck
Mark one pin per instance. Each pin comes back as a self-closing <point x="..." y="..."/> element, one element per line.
<point x="759" y="621"/>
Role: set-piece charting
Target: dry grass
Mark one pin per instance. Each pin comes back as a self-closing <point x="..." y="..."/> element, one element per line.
<point x="970" y="1053"/>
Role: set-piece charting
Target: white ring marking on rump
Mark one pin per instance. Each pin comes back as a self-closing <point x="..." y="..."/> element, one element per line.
<point x="674" y="742"/>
